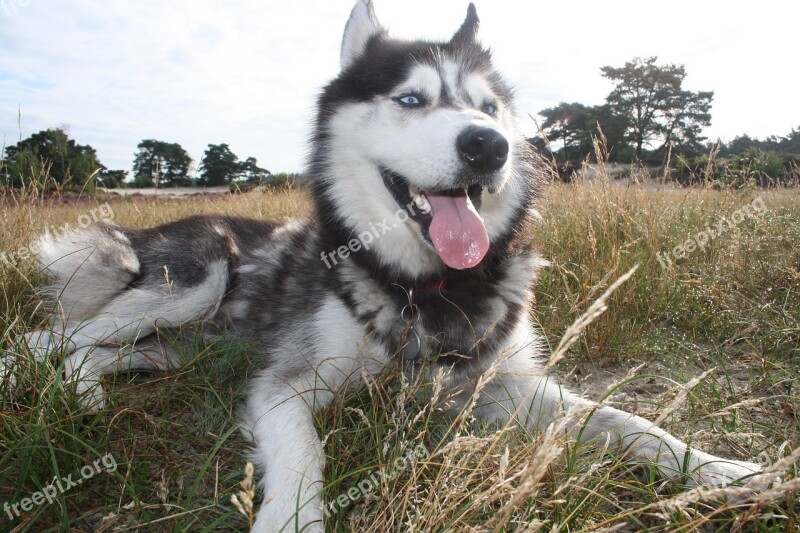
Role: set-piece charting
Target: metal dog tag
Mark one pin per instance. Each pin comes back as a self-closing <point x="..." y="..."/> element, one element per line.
<point x="413" y="346"/>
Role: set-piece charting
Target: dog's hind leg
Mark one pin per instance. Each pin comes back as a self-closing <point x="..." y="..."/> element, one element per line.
<point x="87" y="268"/>
<point x="104" y="291"/>
<point x="88" y="365"/>
<point x="134" y="315"/>
<point x="43" y="342"/>
<point x="519" y="390"/>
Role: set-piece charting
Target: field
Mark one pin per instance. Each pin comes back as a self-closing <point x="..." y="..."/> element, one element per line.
<point x="725" y="307"/>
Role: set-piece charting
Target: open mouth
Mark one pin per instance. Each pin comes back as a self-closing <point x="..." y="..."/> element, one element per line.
<point x="448" y="219"/>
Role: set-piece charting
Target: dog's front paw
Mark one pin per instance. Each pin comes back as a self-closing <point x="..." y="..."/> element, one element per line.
<point x="718" y="472"/>
<point x="273" y="517"/>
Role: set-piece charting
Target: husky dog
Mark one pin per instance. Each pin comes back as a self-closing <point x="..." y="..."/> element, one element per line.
<point x="417" y="249"/>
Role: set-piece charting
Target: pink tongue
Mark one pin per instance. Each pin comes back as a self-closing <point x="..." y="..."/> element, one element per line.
<point x="457" y="231"/>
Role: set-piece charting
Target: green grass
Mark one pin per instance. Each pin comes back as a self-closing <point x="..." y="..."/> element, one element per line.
<point x="180" y="457"/>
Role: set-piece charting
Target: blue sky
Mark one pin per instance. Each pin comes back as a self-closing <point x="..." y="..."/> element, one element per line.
<point x="246" y="73"/>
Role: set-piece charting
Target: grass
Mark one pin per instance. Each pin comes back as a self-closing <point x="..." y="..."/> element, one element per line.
<point x="732" y="308"/>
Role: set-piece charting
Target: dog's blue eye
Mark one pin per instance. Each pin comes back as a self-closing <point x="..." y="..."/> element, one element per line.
<point x="490" y="109"/>
<point x="410" y="100"/>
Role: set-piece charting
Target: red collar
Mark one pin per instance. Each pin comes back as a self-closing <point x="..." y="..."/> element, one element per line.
<point x="436" y="286"/>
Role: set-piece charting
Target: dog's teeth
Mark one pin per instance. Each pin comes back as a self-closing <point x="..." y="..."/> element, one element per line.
<point x="422" y="203"/>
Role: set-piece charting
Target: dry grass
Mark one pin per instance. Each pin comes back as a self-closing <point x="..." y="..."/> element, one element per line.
<point x="732" y="307"/>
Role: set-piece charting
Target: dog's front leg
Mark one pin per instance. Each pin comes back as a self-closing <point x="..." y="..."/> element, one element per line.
<point x="289" y="453"/>
<point x="520" y="390"/>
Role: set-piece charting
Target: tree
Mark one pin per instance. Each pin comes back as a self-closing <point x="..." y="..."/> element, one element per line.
<point x="160" y="163"/>
<point x="685" y="117"/>
<point x="50" y="159"/>
<point x="790" y="143"/>
<point x="219" y="166"/>
<point x="655" y="107"/>
<point x="577" y="126"/>
<point x="251" y="172"/>
<point x="143" y="181"/>
<point x="112" y="179"/>
<point x="567" y="123"/>
<point x="786" y="145"/>
<point x="740" y="144"/>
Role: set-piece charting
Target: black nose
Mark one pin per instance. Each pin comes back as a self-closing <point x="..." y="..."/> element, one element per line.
<point x="483" y="149"/>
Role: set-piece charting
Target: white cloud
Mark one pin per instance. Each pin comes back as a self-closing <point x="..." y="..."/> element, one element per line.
<point x="247" y="73"/>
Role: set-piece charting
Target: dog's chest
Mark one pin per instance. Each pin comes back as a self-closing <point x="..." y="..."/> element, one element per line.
<point x="447" y="324"/>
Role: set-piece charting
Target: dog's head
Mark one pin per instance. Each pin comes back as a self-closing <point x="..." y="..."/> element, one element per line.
<point x="420" y="140"/>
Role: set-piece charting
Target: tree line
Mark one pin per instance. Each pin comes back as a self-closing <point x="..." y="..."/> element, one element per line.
<point x="650" y="118"/>
<point x="162" y="164"/>
<point x="50" y="160"/>
<point x="646" y="113"/>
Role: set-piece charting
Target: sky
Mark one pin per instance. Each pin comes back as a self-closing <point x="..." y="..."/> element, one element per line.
<point x="247" y="73"/>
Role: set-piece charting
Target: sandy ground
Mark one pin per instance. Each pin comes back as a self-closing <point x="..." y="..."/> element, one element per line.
<point x="169" y="191"/>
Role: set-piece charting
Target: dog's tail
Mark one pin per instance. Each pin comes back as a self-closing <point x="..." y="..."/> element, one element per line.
<point x="87" y="267"/>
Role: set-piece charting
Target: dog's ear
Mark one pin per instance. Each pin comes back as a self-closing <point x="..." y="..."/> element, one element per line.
<point x="468" y="32"/>
<point x="361" y="27"/>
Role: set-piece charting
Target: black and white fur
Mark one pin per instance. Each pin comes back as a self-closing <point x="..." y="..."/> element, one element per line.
<point x="319" y="329"/>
